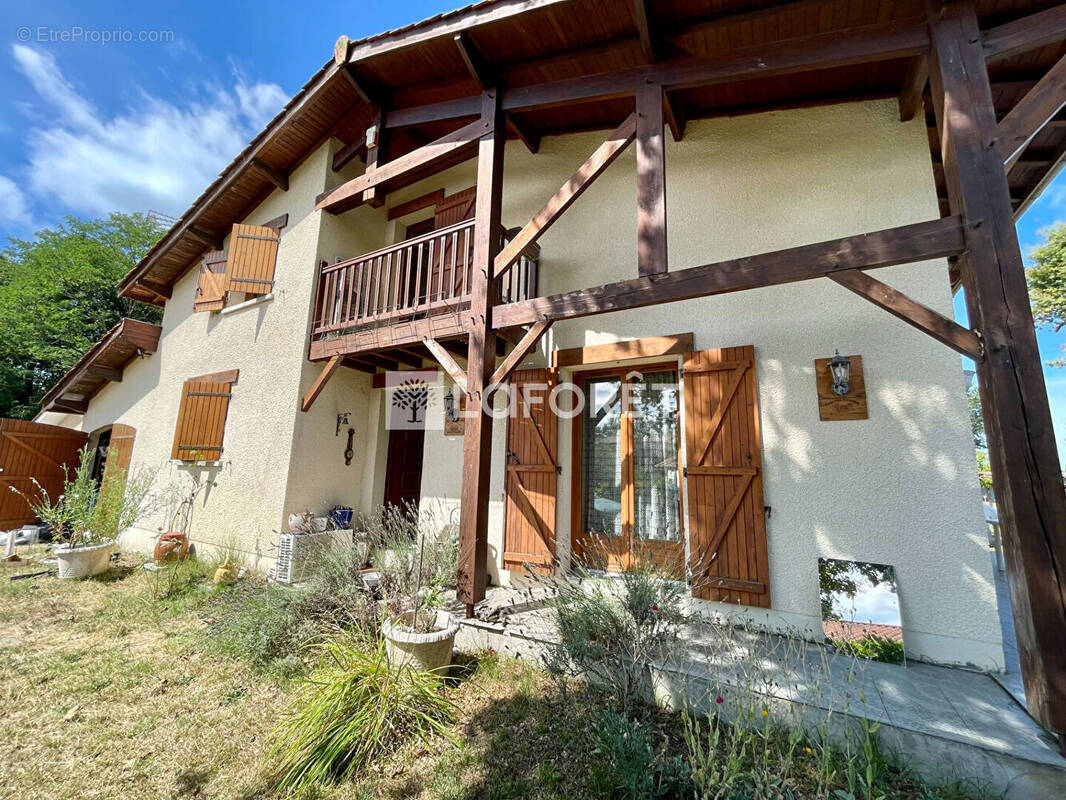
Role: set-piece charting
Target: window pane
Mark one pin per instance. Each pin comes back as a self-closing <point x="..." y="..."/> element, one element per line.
<point x="656" y="486"/>
<point x="601" y="458"/>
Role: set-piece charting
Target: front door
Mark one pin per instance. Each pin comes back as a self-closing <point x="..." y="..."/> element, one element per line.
<point x="403" y="474"/>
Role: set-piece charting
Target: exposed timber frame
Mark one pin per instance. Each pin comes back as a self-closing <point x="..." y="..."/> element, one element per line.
<point x="947" y="57"/>
<point x="1032" y="507"/>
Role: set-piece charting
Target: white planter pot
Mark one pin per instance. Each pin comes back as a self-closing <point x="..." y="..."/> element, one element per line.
<point x="422" y="651"/>
<point x="83" y="561"/>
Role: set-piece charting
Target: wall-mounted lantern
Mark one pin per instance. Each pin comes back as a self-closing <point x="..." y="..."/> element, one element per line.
<point x="840" y="369"/>
<point x="342" y="421"/>
<point x="451" y="407"/>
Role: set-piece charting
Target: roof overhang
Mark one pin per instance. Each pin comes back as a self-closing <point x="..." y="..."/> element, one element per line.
<point x="103" y="363"/>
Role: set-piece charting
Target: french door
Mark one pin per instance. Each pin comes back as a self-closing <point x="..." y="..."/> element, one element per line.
<point x="626" y="458"/>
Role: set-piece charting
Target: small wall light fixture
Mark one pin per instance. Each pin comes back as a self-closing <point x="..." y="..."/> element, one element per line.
<point x="840" y="369"/>
<point x="342" y="421"/>
<point x="451" y="407"/>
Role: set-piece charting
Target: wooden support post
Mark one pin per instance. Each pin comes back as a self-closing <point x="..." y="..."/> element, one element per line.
<point x="914" y="82"/>
<point x="481" y="358"/>
<point x="444" y="358"/>
<point x="348" y="152"/>
<point x="320" y="382"/>
<point x="1025" y="464"/>
<point x="375" y="156"/>
<point x="275" y="176"/>
<point x="651" y="181"/>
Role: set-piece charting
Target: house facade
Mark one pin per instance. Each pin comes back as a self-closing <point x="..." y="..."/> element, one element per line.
<point x="357" y="243"/>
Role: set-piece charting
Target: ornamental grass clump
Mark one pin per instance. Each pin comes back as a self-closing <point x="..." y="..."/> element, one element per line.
<point x="354" y="708"/>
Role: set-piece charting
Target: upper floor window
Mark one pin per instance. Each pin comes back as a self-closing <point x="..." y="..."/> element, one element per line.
<point x="247" y="267"/>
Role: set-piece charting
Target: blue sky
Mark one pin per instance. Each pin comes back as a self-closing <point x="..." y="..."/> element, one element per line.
<point x="87" y="127"/>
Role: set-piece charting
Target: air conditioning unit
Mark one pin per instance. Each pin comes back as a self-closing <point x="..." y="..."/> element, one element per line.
<point x="297" y="553"/>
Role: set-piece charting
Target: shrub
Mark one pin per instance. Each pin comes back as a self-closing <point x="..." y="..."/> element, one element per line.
<point x="637" y="771"/>
<point x="609" y="630"/>
<point x="353" y="709"/>
<point x="873" y="647"/>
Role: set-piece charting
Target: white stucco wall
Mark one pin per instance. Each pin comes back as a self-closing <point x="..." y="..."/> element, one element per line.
<point x="899" y="488"/>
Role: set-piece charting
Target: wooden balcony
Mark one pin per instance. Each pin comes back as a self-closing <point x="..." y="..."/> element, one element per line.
<point x="400" y="294"/>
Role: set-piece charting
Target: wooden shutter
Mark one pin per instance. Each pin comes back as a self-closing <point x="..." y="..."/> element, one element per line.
<point x="532" y="456"/>
<point x="31" y="450"/>
<point x="211" y="290"/>
<point x="119" y="450"/>
<point x="455" y="208"/>
<point x="727" y="527"/>
<point x="253" y="253"/>
<point x="201" y="421"/>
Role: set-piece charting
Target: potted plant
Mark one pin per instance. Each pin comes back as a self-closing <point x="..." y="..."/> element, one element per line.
<point x="414" y="578"/>
<point x="86" y="519"/>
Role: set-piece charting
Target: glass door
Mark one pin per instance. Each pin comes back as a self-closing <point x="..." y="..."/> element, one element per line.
<point x="627" y="447"/>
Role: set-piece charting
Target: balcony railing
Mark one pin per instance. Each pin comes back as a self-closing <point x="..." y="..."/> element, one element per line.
<point x="419" y="277"/>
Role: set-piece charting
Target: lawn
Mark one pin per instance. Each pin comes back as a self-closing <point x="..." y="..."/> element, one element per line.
<point x="132" y="686"/>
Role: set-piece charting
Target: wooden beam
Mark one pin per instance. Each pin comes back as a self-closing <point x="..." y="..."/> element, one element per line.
<point x="593" y="167"/>
<point x="107" y="373"/>
<point x="520" y="351"/>
<point x="211" y="240"/>
<point x="644" y="20"/>
<point x="1032" y="113"/>
<point x="344" y="156"/>
<point x="275" y="176"/>
<point x="944" y="330"/>
<point x="1014" y="401"/>
<point x="1036" y="30"/>
<point x="651" y="181"/>
<point x="158" y="289"/>
<point x="529" y="137"/>
<point x="648" y="347"/>
<point x="351" y="193"/>
<point x="914" y="82"/>
<point x="883" y="41"/>
<point x="477" y="65"/>
<point x="70" y="406"/>
<point x="320" y="382"/>
<point x="918" y="242"/>
<point x="417" y="204"/>
<point x="362" y="366"/>
<point x="481" y="359"/>
<point x="675" y="115"/>
<point x="367" y="92"/>
<point x="444" y="358"/>
<point x="374" y="193"/>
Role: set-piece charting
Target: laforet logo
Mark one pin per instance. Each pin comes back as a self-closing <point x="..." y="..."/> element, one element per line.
<point x="412" y="395"/>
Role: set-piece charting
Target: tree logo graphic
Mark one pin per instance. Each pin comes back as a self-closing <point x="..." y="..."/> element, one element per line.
<point x="412" y="395"/>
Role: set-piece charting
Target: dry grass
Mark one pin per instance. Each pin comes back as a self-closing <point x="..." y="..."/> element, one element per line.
<point x="107" y="692"/>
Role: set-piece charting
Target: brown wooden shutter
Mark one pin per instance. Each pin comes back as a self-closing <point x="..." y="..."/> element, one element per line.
<point x="201" y="421"/>
<point x="211" y="290"/>
<point x="727" y="527"/>
<point x="119" y="450"/>
<point x="253" y="253"/>
<point x="532" y="455"/>
<point x="31" y="450"/>
<point x="455" y="208"/>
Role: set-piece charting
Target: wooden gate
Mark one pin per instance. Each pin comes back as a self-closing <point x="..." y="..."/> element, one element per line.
<point x="532" y="473"/>
<point x="119" y="450"/>
<point x="727" y="527"/>
<point x="31" y="450"/>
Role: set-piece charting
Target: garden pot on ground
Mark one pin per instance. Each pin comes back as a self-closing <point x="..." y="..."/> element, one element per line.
<point x="422" y="651"/>
<point x="83" y="561"/>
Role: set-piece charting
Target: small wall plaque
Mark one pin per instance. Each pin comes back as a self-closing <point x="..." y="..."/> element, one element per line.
<point x="456" y="427"/>
<point x="832" y="406"/>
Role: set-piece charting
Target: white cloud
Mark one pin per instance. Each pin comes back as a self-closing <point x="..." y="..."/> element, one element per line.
<point x="13" y="210"/>
<point x="155" y="155"/>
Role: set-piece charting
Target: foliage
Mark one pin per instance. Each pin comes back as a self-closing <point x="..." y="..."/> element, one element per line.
<point x="57" y="298"/>
<point x="977" y="419"/>
<point x="984" y="469"/>
<point x="1047" y="281"/>
<point x="86" y="514"/>
<point x="837" y="577"/>
<point x="636" y="769"/>
<point x="355" y="708"/>
<point x="415" y="562"/>
<point x="609" y="630"/>
<point x="269" y="626"/>
<point x="873" y="647"/>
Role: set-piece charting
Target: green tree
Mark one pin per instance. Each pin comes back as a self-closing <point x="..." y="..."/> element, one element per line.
<point x="57" y="297"/>
<point x="977" y="419"/>
<point x="1047" y="282"/>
